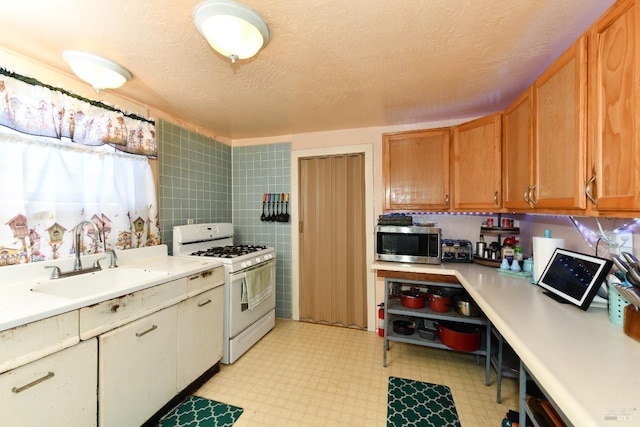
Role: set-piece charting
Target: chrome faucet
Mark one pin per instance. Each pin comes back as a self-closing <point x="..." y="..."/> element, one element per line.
<point x="77" y="265"/>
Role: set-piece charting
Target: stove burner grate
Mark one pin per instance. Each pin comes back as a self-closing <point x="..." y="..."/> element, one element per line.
<point x="231" y="251"/>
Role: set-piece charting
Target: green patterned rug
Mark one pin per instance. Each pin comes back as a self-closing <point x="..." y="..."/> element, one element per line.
<point x="199" y="412"/>
<point x="414" y="403"/>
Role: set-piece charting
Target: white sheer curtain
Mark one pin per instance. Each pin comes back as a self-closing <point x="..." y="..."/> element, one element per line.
<point x="47" y="188"/>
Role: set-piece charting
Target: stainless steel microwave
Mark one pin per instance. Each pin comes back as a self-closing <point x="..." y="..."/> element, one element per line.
<point x="412" y="244"/>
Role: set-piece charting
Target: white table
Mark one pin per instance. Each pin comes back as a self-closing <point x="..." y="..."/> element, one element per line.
<point x="587" y="366"/>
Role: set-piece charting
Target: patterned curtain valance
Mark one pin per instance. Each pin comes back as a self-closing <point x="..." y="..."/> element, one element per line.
<point x="34" y="108"/>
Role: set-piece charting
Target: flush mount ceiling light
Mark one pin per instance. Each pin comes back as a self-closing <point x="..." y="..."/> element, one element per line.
<point x="231" y="28"/>
<point x="99" y="72"/>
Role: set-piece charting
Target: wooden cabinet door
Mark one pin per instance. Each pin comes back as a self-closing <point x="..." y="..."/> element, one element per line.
<point x="477" y="164"/>
<point x="517" y="153"/>
<point x="615" y="82"/>
<point x="416" y="170"/>
<point x="559" y="101"/>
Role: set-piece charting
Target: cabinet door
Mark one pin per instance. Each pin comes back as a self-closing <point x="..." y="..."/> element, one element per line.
<point x="615" y="82"/>
<point x="57" y="390"/>
<point x="517" y="152"/>
<point x="477" y="164"/>
<point x="416" y="170"/>
<point x="137" y="369"/>
<point x="200" y="321"/>
<point x="559" y="99"/>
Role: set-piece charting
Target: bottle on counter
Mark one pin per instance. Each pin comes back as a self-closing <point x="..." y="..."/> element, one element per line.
<point x="519" y="253"/>
<point x="481" y="247"/>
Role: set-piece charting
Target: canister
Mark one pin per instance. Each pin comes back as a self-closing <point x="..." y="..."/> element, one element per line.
<point x="519" y="255"/>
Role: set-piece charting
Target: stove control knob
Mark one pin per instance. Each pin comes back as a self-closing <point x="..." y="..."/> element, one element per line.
<point x="257" y="260"/>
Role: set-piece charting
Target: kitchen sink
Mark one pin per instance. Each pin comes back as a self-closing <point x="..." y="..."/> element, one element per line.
<point x="98" y="283"/>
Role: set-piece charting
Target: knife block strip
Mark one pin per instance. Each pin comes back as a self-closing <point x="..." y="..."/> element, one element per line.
<point x="631" y="325"/>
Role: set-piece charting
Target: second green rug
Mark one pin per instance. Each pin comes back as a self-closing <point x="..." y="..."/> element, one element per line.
<point x="196" y="411"/>
<point x="416" y="403"/>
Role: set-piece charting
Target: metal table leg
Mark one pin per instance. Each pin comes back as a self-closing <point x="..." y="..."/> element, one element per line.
<point x="499" y="369"/>
<point x="487" y="377"/>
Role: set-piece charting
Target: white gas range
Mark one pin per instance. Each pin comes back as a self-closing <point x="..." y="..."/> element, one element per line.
<point x="249" y="289"/>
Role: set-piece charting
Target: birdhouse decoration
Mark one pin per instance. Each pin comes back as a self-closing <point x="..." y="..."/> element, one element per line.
<point x="56" y="236"/>
<point x="20" y="229"/>
<point x="138" y="229"/>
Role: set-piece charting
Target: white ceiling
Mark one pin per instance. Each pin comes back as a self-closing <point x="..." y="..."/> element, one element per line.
<point x="330" y="64"/>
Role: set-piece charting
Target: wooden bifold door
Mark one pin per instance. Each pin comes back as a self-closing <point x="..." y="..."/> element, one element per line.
<point x="333" y="286"/>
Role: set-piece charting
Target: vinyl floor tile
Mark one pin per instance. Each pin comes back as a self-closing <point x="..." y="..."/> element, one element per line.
<point x="303" y="374"/>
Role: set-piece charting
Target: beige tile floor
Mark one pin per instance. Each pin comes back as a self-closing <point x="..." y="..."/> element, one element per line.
<point x="303" y="374"/>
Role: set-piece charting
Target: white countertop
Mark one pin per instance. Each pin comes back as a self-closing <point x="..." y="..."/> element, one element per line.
<point x="19" y="305"/>
<point x="585" y="363"/>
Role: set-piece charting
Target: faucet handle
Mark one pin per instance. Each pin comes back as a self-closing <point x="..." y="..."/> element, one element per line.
<point x="114" y="258"/>
<point x="55" y="274"/>
<point x="96" y="263"/>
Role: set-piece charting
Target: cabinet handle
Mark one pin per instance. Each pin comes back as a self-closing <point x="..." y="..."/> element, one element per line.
<point x="446" y="200"/>
<point x="533" y="201"/>
<point x="495" y="198"/>
<point x="526" y="195"/>
<point x="203" y="303"/>
<point x="587" y="189"/>
<point x="151" y="329"/>
<point x="194" y="277"/>
<point x="31" y="384"/>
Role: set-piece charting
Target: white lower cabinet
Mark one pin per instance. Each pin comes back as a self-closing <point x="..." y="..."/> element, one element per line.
<point x="200" y="342"/>
<point x="137" y="369"/>
<point x="56" y="390"/>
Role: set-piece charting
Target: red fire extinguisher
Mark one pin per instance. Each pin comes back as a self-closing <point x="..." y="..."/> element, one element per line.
<point x="381" y="320"/>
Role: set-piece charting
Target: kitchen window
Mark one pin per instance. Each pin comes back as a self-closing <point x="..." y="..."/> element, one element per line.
<point x="66" y="159"/>
<point x="50" y="186"/>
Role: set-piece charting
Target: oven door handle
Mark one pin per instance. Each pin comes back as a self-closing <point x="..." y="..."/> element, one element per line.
<point x="241" y="275"/>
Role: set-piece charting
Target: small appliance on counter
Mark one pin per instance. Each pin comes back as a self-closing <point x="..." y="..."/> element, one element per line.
<point x="457" y="250"/>
<point x="411" y="244"/>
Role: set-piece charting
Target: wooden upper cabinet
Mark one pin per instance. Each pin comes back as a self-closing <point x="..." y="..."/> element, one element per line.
<point x="614" y="74"/>
<point x="517" y="153"/>
<point x="416" y="170"/>
<point x="476" y="165"/>
<point x="560" y="112"/>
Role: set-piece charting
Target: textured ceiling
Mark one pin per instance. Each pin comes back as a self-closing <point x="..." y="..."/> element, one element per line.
<point x="330" y="64"/>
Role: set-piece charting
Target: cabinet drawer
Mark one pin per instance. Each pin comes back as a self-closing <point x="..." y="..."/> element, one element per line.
<point x="26" y="343"/>
<point x="198" y="283"/>
<point x="107" y="315"/>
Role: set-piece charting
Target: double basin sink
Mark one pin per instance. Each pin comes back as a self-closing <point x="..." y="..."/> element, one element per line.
<point x="98" y="282"/>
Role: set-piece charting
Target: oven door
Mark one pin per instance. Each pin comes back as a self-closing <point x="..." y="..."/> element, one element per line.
<point x="239" y="316"/>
